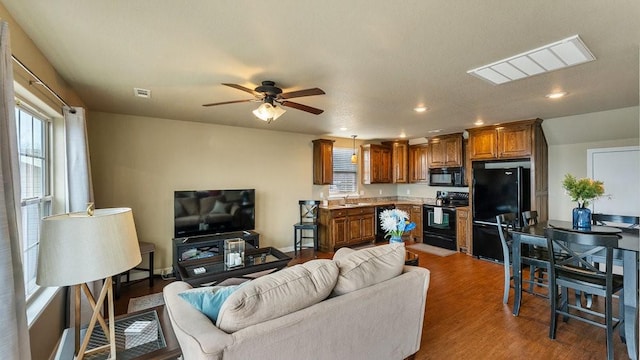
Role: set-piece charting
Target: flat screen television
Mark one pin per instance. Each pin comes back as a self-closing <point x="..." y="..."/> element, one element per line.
<point x="206" y="212"/>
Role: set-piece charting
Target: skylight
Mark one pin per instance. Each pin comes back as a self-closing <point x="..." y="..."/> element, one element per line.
<point x="564" y="53"/>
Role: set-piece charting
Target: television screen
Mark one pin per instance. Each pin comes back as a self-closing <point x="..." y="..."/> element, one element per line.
<point x="205" y="212"/>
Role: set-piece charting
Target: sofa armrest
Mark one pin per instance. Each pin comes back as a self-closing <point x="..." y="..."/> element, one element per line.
<point x="199" y="338"/>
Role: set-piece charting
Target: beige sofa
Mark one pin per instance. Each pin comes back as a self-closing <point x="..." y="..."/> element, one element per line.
<point x="361" y="319"/>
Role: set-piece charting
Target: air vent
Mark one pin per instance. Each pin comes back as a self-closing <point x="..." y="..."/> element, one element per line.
<point x="564" y="53"/>
<point x="143" y="93"/>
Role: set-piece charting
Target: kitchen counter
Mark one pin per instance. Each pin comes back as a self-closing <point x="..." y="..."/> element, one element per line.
<point x="374" y="202"/>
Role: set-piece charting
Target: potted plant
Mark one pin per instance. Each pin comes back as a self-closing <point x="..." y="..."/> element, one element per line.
<point x="582" y="190"/>
<point x="395" y="222"/>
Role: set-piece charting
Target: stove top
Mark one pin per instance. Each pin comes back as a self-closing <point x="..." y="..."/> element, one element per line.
<point x="453" y="198"/>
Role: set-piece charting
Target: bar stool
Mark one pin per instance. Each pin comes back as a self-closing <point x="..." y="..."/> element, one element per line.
<point x="146" y="248"/>
<point x="308" y="222"/>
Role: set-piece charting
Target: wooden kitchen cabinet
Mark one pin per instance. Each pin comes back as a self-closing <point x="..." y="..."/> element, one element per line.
<point x="515" y="141"/>
<point x="344" y="227"/>
<point x="416" y="217"/>
<point x="322" y="162"/>
<point x="483" y="144"/>
<point x="504" y="141"/>
<point x="376" y="164"/>
<point x="399" y="161"/>
<point x="418" y="163"/>
<point x="361" y="225"/>
<point x="463" y="229"/>
<point x="446" y="151"/>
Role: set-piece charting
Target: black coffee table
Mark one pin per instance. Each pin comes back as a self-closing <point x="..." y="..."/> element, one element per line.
<point x="411" y="258"/>
<point x="215" y="271"/>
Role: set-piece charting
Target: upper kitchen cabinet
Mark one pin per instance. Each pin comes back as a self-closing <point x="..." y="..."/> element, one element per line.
<point x="322" y="162"/>
<point x="399" y="161"/>
<point x="516" y="140"/>
<point x="505" y="141"/>
<point x="418" y="163"/>
<point x="376" y="164"/>
<point x="446" y="151"/>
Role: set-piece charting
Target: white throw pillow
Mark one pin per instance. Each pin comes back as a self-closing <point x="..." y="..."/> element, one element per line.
<point x="369" y="266"/>
<point x="278" y="294"/>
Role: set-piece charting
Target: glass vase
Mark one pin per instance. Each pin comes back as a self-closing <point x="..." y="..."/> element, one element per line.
<point x="395" y="239"/>
<point x="581" y="218"/>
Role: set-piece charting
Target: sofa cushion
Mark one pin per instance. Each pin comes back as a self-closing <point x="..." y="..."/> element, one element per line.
<point x="362" y="268"/>
<point x="278" y="294"/>
<point x="208" y="300"/>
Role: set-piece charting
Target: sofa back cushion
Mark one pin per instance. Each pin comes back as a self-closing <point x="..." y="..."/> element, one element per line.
<point x="369" y="266"/>
<point x="278" y="294"/>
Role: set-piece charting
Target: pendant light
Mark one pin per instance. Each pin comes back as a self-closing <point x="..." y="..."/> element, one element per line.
<point x="354" y="157"/>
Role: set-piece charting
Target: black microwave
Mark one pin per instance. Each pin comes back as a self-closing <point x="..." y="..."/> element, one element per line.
<point x="450" y="176"/>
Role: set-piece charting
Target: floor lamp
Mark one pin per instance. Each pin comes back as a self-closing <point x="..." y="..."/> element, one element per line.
<point x="79" y="248"/>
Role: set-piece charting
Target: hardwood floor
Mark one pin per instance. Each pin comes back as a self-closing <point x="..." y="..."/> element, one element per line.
<point x="465" y="317"/>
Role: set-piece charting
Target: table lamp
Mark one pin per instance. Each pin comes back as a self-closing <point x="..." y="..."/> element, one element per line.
<point x="79" y="248"/>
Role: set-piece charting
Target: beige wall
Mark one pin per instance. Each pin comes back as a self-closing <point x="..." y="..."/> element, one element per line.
<point x="139" y="162"/>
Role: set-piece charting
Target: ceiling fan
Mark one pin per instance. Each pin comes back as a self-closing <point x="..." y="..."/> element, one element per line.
<point x="270" y="95"/>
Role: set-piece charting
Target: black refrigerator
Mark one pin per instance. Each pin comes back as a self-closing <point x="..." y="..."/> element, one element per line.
<point x="497" y="191"/>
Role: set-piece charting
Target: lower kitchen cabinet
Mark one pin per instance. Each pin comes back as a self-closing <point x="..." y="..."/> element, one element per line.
<point x="344" y="227"/>
<point x="463" y="230"/>
<point x="416" y="217"/>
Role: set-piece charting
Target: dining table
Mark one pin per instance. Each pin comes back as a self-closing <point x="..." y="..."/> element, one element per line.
<point x="625" y="255"/>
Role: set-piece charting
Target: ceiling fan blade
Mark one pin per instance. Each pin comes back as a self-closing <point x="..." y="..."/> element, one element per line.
<point x="301" y="93"/>
<point x="306" y="108"/>
<point x="240" y="87"/>
<point x="229" y="102"/>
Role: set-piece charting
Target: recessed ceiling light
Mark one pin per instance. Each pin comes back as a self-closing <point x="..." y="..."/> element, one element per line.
<point x="435" y="131"/>
<point x="560" y="54"/>
<point x="343" y="129"/>
<point x="403" y="135"/>
<point x="420" y="108"/>
<point x="478" y="122"/>
<point x="556" y="95"/>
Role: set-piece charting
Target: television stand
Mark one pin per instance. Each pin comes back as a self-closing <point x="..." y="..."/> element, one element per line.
<point x="204" y="246"/>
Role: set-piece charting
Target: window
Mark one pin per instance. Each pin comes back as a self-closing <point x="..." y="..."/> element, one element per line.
<point x="35" y="189"/>
<point x="344" y="173"/>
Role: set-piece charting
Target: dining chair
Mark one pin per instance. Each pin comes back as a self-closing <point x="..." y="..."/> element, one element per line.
<point x="571" y="269"/>
<point x="530" y="217"/>
<point x="308" y="222"/>
<point x="615" y="220"/>
<point x="534" y="258"/>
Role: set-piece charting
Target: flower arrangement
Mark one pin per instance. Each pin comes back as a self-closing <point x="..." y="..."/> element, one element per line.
<point x="395" y="222"/>
<point x="582" y="190"/>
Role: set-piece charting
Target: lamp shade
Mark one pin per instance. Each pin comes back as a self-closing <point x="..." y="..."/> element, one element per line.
<point x="77" y="248"/>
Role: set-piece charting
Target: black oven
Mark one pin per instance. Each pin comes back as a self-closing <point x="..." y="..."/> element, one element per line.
<point x="439" y="226"/>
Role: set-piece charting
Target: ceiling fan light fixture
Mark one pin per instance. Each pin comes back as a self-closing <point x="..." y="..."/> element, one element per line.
<point x="267" y="112"/>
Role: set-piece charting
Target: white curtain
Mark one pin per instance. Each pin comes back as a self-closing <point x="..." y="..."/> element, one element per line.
<point x="79" y="188"/>
<point x="14" y="332"/>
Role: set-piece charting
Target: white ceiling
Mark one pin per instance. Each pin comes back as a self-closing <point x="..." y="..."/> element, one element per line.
<point x="376" y="60"/>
